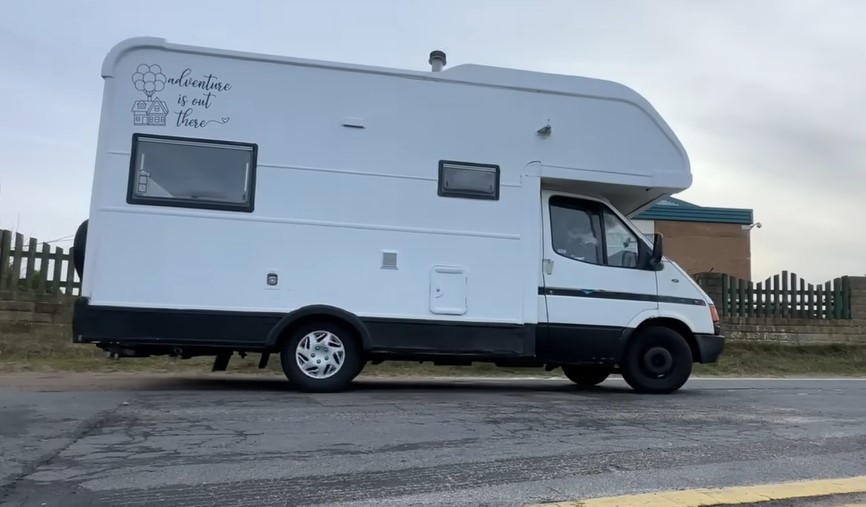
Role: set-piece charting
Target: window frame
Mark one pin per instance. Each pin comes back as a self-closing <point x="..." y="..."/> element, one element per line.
<point x="132" y="198"/>
<point x="468" y="195"/>
<point x="596" y="210"/>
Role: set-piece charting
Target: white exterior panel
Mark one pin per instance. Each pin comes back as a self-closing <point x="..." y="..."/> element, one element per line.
<point x="347" y="168"/>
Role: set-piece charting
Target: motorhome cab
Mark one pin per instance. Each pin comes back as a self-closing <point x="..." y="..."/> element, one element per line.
<point x="345" y="214"/>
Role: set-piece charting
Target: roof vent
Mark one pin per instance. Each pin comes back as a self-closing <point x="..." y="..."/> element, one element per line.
<point x="437" y="60"/>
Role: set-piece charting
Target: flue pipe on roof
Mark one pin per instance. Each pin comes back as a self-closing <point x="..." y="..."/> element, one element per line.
<point x="437" y="60"/>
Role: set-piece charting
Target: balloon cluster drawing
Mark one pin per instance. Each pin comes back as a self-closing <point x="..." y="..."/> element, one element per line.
<point x="152" y="111"/>
<point x="149" y="79"/>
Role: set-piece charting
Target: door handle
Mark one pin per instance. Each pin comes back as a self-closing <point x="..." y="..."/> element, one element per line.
<point x="548" y="266"/>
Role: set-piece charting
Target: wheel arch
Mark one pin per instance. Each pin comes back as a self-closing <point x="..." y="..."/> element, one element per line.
<point x="318" y="312"/>
<point x="674" y="324"/>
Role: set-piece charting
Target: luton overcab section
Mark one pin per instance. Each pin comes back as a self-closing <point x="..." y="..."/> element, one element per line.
<point x="339" y="215"/>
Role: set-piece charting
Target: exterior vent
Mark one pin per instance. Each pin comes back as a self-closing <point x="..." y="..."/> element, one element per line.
<point x="389" y="260"/>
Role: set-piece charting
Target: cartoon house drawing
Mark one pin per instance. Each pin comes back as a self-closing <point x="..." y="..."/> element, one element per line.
<point x="151" y="111"/>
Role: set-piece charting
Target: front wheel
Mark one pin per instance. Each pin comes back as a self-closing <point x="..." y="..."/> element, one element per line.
<point x="657" y="361"/>
<point x="321" y="357"/>
<point x="586" y="375"/>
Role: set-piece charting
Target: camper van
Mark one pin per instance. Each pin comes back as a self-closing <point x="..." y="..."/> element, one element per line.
<point x="339" y="215"/>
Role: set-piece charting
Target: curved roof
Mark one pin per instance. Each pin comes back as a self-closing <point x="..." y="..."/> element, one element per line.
<point x="484" y="75"/>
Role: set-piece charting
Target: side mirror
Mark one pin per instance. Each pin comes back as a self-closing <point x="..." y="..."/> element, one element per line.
<point x="655" y="260"/>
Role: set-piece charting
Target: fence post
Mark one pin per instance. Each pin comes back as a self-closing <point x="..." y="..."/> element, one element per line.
<point x="760" y="300"/>
<point x="792" y="291"/>
<point x="31" y="263"/>
<point x="784" y="303"/>
<point x="43" y="268"/>
<point x="820" y="301"/>
<point x="846" y="297"/>
<point x="5" y="247"/>
<point x="801" y="295"/>
<point x="16" y="261"/>
<point x="58" y="270"/>
<point x="776" y="296"/>
<point x="70" y="272"/>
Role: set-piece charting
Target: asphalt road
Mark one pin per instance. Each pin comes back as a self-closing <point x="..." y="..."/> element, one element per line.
<point x="236" y="441"/>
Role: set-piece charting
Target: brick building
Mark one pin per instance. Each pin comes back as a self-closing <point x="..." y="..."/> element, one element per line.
<point x="700" y="238"/>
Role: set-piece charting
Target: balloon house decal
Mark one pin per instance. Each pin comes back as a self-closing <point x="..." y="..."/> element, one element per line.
<point x="196" y="96"/>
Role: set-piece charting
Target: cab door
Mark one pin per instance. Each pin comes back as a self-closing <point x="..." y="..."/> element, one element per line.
<point x="593" y="284"/>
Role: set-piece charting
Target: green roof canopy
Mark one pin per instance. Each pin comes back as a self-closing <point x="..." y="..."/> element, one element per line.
<point x="676" y="210"/>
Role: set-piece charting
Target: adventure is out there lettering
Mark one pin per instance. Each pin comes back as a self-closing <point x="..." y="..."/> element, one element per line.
<point x="197" y="94"/>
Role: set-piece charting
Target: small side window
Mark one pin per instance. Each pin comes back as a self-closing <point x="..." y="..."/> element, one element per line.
<point x="192" y="173"/>
<point x="468" y="180"/>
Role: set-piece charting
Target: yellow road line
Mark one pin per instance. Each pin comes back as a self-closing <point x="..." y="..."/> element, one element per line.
<point x="726" y="496"/>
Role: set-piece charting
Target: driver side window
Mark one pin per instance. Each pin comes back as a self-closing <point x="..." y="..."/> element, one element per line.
<point x="590" y="232"/>
<point x="576" y="231"/>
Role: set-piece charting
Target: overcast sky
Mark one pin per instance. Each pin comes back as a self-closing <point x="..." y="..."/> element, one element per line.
<point x="768" y="97"/>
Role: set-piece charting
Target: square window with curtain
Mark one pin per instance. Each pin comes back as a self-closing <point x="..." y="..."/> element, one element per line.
<point x="168" y="171"/>
<point x="468" y="180"/>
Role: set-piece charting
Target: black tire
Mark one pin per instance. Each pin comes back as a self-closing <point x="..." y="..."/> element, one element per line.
<point x="348" y="369"/>
<point x="586" y="375"/>
<point x="657" y="361"/>
<point x="78" y="248"/>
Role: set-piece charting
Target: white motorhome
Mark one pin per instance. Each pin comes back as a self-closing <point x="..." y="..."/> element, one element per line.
<point x="344" y="214"/>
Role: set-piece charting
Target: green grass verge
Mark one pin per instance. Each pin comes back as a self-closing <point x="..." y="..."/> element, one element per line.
<point x="52" y="353"/>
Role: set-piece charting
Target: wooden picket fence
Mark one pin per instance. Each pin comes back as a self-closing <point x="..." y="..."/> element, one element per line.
<point x="787" y="296"/>
<point x="31" y="266"/>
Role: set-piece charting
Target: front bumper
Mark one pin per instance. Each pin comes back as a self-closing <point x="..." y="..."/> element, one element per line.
<point x="710" y="347"/>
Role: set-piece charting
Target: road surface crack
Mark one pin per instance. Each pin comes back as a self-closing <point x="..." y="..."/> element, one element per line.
<point x="84" y="429"/>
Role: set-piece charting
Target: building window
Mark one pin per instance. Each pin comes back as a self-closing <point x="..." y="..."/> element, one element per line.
<point x="192" y="173"/>
<point x="468" y="180"/>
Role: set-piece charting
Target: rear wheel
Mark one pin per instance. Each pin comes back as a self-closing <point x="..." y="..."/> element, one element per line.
<point x="586" y="375"/>
<point x="321" y="356"/>
<point x="657" y="361"/>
